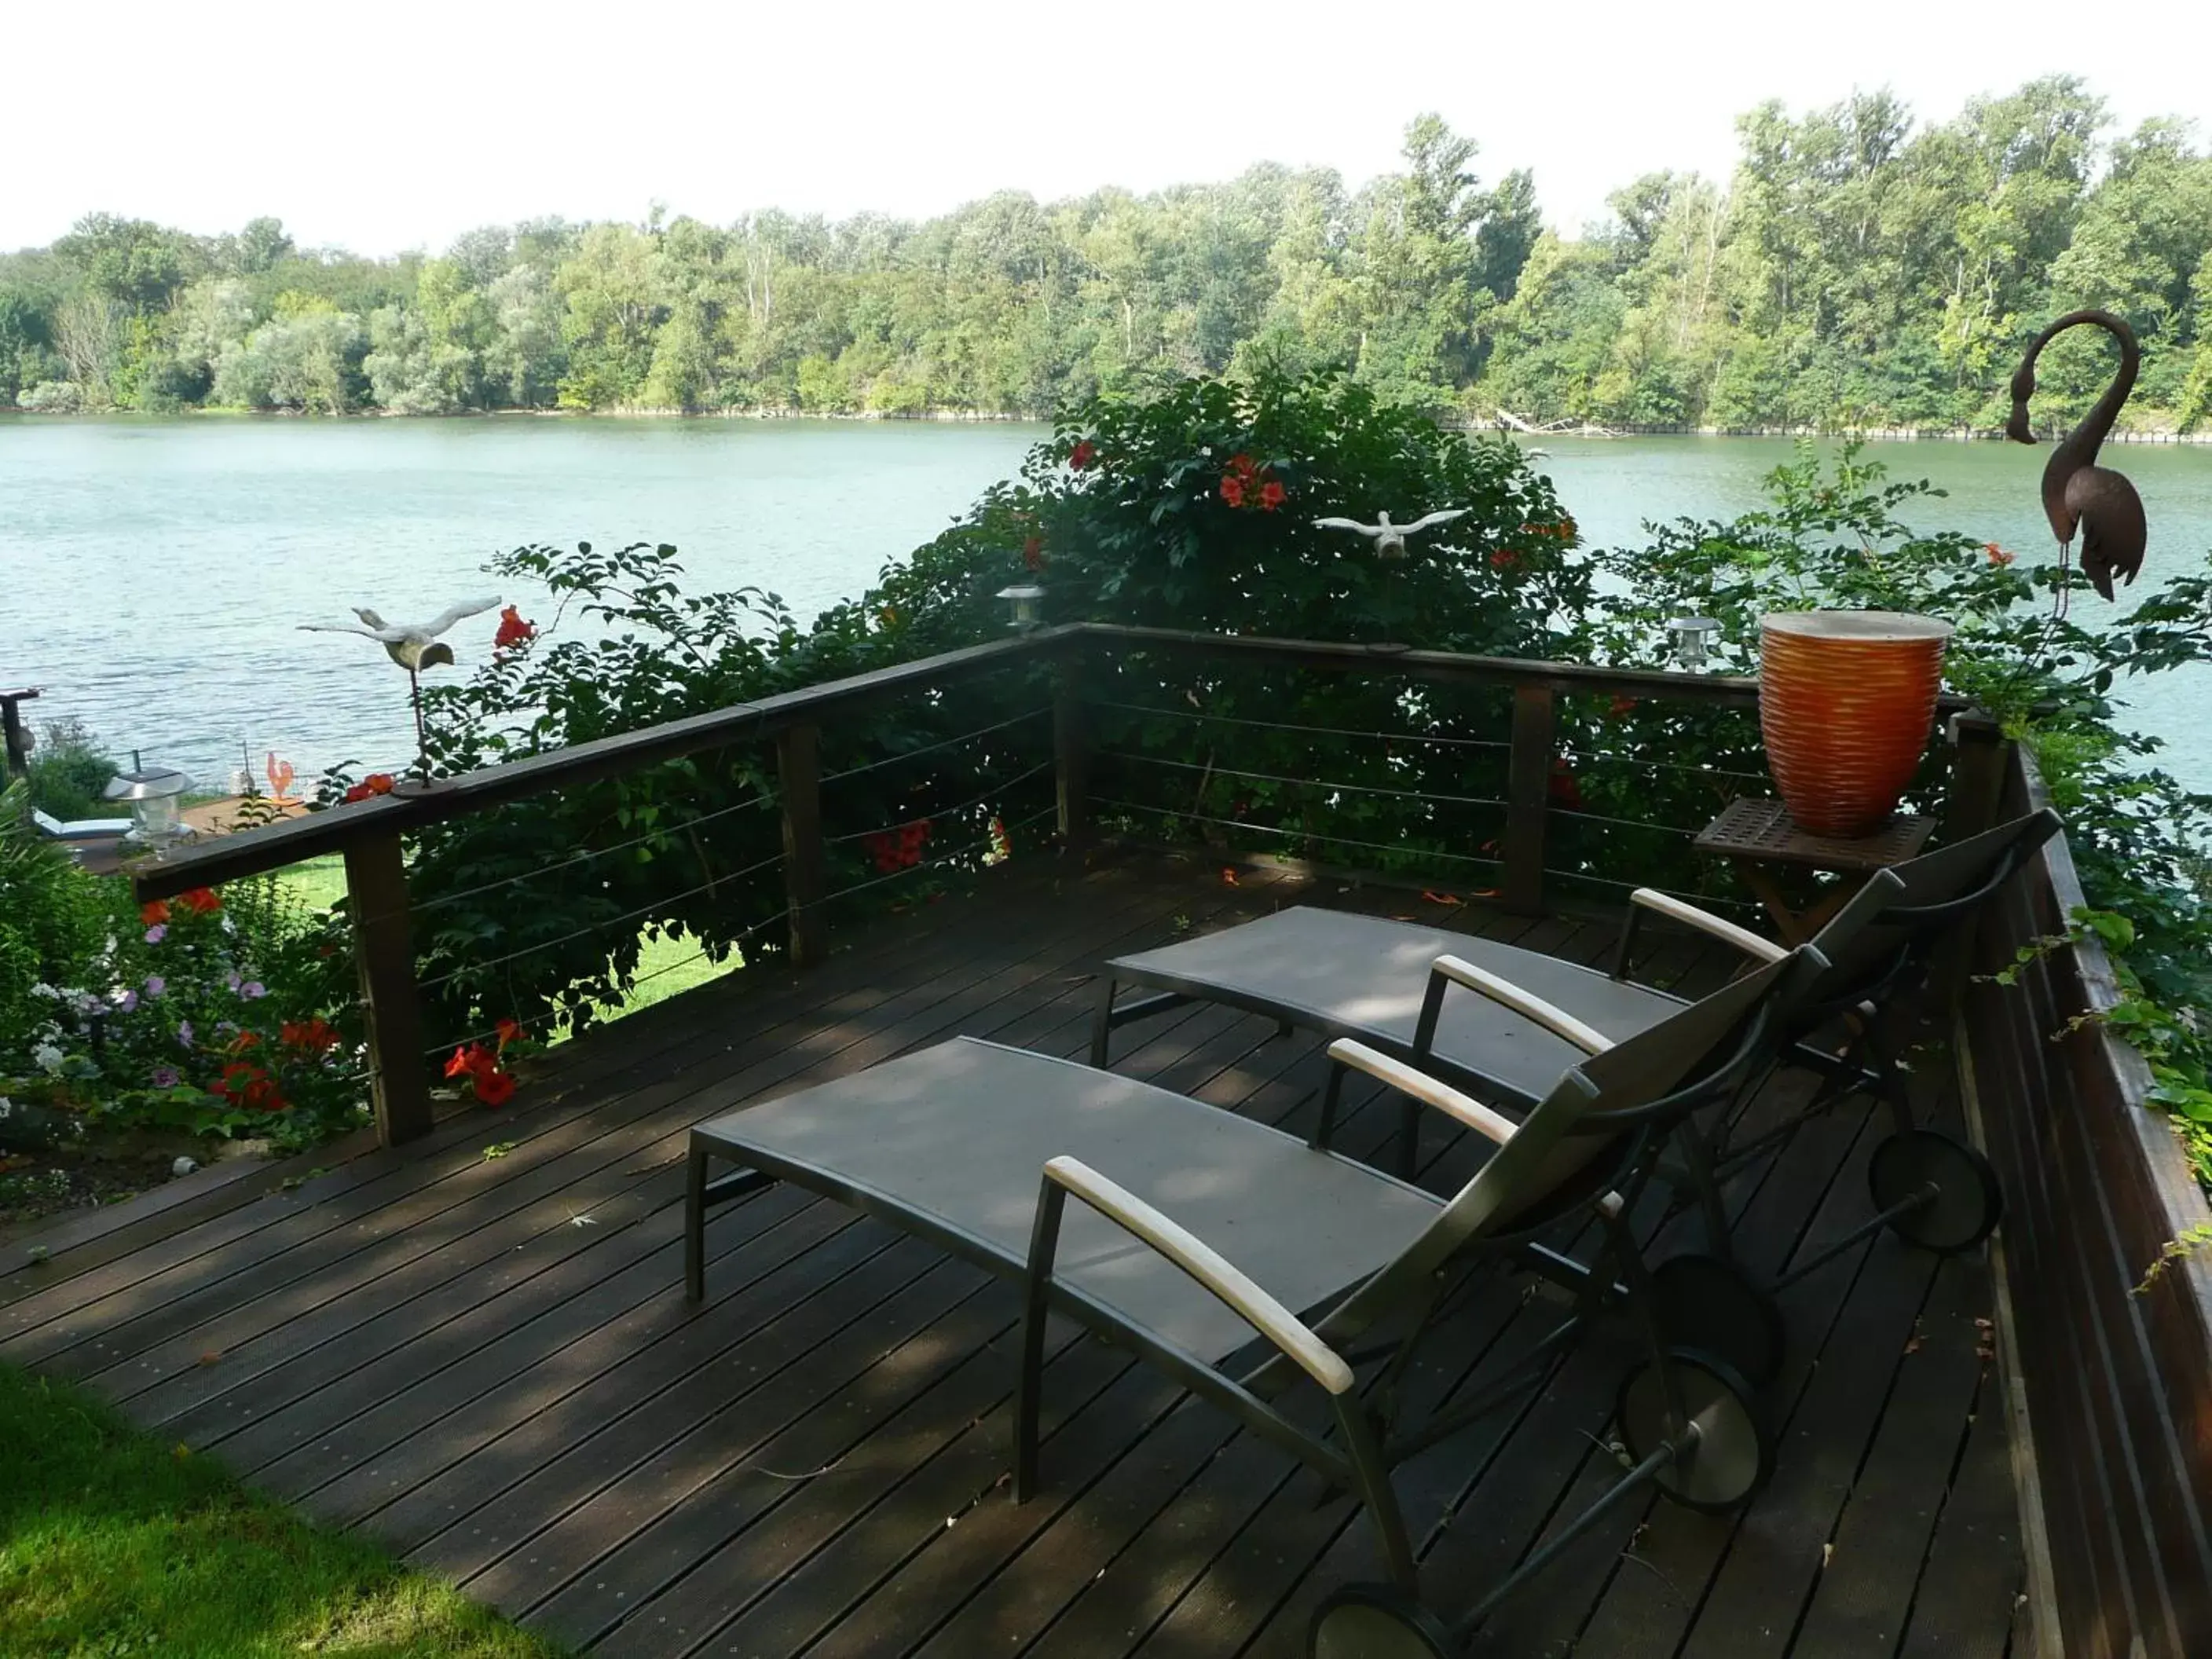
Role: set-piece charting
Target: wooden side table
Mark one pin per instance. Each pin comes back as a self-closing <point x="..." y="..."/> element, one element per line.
<point x="1757" y="837"/>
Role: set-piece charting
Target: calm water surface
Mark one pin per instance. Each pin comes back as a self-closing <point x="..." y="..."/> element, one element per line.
<point x="152" y="573"/>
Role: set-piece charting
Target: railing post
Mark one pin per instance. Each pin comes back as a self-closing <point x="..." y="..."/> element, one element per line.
<point x="376" y="894"/>
<point x="1527" y="799"/>
<point x="1978" y="770"/>
<point x="1071" y="748"/>
<point x="798" y="772"/>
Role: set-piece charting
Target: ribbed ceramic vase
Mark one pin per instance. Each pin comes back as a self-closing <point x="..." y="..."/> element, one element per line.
<point x="1846" y="699"/>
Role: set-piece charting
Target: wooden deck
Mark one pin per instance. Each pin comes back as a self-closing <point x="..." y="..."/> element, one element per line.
<point x="486" y="1361"/>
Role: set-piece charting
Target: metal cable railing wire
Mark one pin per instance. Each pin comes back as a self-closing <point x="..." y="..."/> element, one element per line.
<point x="984" y="799"/>
<point x="1285" y="726"/>
<point x="931" y="749"/>
<point x="590" y="853"/>
<point x="601" y="926"/>
<point x="1275" y="830"/>
<point x="964" y="850"/>
<point x="1306" y="783"/>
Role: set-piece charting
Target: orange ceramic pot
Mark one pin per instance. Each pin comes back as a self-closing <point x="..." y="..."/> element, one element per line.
<point x="1846" y="699"/>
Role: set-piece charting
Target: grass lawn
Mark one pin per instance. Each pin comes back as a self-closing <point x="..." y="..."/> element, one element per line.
<point x="114" y="1544"/>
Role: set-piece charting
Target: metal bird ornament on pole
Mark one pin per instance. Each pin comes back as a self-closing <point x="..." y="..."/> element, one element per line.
<point x="415" y="646"/>
<point x="2077" y="493"/>
<point x="1389" y="540"/>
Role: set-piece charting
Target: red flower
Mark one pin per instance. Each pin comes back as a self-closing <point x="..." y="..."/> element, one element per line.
<point x="1502" y="558"/>
<point x="358" y="793"/>
<point x="1563" y="789"/>
<point x="510" y="1030"/>
<point x="251" y="1087"/>
<point x="1622" y="705"/>
<point x="1997" y="554"/>
<point x="379" y="783"/>
<point x="1271" y="495"/>
<point x="201" y="901"/>
<point x="900" y="849"/>
<point x="1232" y="488"/>
<point x="469" y="1060"/>
<point x="315" y="1036"/>
<point x="1565" y="530"/>
<point x="494" y="1087"/>
<point x="1033" y="553"/>
<point x="513" y="631"/>
<point x="155" y="914"/>
<point x="1082" y="455"/>
<point x="244" y="1040"/>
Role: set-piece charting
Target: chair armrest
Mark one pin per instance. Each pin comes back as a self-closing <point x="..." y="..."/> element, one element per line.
<point x="1528" y="1006"/>
<point x="1410" y="1080"/>
<point x="1674" y="910"/>
<point x="1208" y="1266"/>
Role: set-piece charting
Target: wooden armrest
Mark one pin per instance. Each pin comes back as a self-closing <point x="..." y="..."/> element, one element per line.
<point x="1528" y="1006"/>
<point x="1409" y="1080"/>
<point x="1208" y="1266"/>
<point x="1674" y="910"/>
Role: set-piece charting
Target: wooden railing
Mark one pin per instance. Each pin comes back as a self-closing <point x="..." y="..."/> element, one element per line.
<point x="2116" y="1375"/>
<point x="370" y="835"/>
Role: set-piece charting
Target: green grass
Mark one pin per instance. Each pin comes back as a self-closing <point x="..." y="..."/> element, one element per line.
<point x="112" y="1544"/>
<point x="317" y="883"/>
<point x="662" y="967"/>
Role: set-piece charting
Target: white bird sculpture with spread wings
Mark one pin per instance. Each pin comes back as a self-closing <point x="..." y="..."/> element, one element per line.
<point x="415" y="646"/>
<point x="1389" y="538"/>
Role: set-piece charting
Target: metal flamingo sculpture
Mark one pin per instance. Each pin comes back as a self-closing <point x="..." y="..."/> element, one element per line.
<point x="415" y="646"/>
<point x="2077" y="493"/>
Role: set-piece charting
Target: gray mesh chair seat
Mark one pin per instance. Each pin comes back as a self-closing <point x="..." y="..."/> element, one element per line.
<point x="1196" y="1234"/>
<point x="949" y="1143"/>
<point x="1345" y="974"/>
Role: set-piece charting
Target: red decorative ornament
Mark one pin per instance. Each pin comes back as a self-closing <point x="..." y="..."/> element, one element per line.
<point x="513" y="631"/>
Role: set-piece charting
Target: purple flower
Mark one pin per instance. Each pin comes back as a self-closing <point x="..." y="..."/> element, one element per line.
<point x="184" y="1033"/>
<point x="127" y="1003"/>
<point x="231" y="979"/>
<point x="252" y="989"/>
<point x="167" y="1077"/>
<point x="156" y="986"/>
<point x="157" y="932"/>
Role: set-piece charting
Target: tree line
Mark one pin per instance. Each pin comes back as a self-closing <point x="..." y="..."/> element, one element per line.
<point x="1861" y="268"/>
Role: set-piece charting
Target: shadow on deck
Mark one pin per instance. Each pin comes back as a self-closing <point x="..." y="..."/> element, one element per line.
<point x="486" y="1361"/>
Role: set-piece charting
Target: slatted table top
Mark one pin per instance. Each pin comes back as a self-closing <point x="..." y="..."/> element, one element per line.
<point x="1753" y="829"/>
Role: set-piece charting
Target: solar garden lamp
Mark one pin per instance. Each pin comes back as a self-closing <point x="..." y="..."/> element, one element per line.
<point x="155" y="793"/>
<point x="1694" y="639"/>
<point x="1027" y="598"/>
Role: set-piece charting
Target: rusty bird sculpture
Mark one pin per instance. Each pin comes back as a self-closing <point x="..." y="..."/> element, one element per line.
<point x="2078" y="495"/>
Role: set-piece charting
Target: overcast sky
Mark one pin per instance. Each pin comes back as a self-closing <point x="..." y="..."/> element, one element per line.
<point x="400" y="124"/>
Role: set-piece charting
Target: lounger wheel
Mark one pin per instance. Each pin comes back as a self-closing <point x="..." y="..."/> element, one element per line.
<point x="1723" y="1462"/>
<point x="1935" y="1192"/>
<point x="1711" y="1305"/>
<point x="1374" y="1621"/>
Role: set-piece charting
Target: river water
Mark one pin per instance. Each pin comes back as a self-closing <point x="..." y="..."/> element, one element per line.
<point x="153" y="572"/>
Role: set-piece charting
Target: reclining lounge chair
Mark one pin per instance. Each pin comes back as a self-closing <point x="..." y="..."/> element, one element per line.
<point x="1394" y="987"/>
<point x="1197" y="1235"/>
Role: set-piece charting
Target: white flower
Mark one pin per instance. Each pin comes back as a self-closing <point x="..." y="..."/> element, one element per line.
<point x="6" y="1105"/>
<point x="47" y="1058"/>
<point x="42" y="989"/>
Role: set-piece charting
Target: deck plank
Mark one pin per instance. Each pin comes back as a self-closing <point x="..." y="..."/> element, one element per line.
<point x="488" y="1363"/>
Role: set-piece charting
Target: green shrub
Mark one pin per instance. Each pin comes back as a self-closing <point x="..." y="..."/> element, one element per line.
<point x="68" y="772"/>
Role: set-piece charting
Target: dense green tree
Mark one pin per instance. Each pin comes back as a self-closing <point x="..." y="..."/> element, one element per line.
<point x="1860" y="267"/>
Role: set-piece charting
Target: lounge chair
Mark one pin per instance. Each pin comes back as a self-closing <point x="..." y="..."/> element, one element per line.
<point x="1197" y="1235"/>
<point x="1392" y="985"/>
